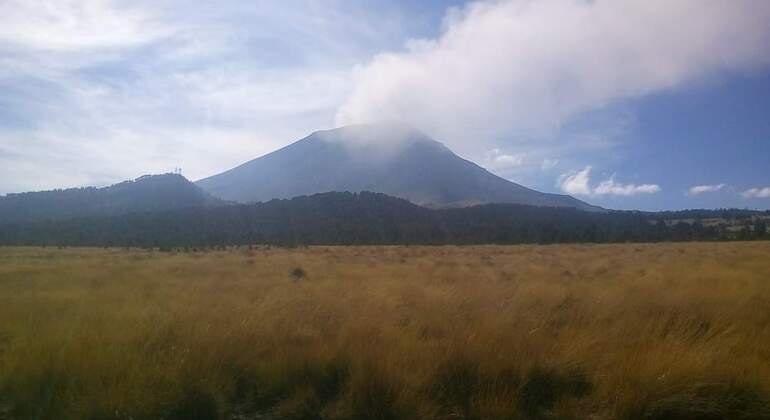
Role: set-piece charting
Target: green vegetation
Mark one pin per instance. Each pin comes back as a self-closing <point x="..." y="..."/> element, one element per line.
<point x="650" y="331"/>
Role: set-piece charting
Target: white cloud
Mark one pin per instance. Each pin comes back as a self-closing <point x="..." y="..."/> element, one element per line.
<point x="198" y="120"/>
<point x="757" y="193"/>
<point x="75" y="25"/>
<point x="578" y="183"/>
<point x="99" y="91"/>
<point x="611" y="187"/>
<point x="497" y="159"/>
<point x="700" y="189"/>
<point x="527" y="67"/>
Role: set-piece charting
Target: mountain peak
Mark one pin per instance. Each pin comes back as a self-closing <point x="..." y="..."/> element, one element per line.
<point x="388" y="158"/>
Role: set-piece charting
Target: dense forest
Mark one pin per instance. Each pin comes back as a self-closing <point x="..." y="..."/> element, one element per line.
<point x="372" y="218"/>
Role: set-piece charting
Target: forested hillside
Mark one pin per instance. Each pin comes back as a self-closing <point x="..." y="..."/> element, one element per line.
<point x="373" y="218"/>
<point x="147" y="193"/>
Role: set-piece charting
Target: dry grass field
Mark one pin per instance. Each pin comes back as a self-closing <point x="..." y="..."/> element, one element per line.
<point x="651" y="331"/>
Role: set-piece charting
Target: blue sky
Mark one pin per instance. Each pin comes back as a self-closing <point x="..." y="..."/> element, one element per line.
<point x="625" y="104"/>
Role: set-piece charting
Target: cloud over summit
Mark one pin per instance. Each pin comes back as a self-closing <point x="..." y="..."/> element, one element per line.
<point x="521" y="66"/>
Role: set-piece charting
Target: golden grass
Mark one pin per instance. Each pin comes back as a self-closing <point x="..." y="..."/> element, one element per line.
<point x="573" y="331"/>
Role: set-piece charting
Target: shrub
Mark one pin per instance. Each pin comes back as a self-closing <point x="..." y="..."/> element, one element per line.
<point x="298" y="273"/>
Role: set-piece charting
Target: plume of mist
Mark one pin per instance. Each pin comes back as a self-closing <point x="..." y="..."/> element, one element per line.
<point x="373" y="143"/>
<point x="524" y="68"/>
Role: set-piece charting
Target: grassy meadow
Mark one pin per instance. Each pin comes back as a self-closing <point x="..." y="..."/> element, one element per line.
<point x="637" y="331"/>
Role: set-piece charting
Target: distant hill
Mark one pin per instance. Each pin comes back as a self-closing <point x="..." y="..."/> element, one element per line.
<point x="147" y="193"/>
<point x="389" y="159"/>
<point x="373" y="218"/>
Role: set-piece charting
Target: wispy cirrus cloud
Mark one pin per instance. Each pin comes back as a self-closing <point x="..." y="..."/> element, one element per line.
<point x="96" y="91"/>
<point x="77" y="25"/>
<point x="579" y="183"/>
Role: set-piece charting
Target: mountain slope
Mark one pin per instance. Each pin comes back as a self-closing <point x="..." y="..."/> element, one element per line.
<point x="147" y="193"/>
<point x="388" y="159"/>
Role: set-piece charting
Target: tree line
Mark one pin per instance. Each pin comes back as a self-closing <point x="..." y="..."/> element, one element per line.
<point x="373" y="218"/>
